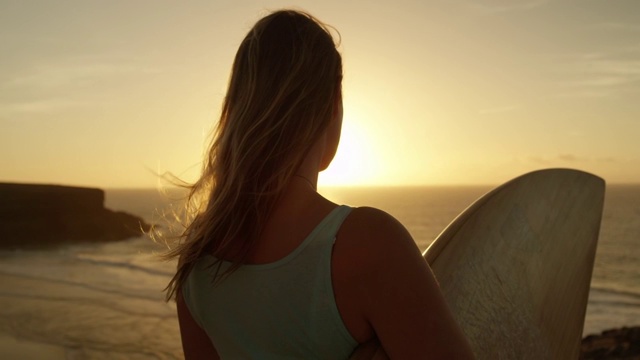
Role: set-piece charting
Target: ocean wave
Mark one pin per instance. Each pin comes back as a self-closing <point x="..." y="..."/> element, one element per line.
<point x="613" y="298"/>
<point x="110" y="290"/>
<point x="615" y="291"/>
<point x="101" y="261"/>
<point x="104" y="303"/>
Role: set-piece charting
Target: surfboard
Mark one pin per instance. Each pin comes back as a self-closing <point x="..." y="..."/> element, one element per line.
<point x="515" y="266"/>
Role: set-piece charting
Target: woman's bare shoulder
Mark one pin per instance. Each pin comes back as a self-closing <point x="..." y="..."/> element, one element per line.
<point x="376" y="233"/>
<point x="374" y="222"/>
<point x="371" y="240"/>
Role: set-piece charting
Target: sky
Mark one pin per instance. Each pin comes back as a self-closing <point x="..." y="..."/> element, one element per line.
<point x="436" y="92"/>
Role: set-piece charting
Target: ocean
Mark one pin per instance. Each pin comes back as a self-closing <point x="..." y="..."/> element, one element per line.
<point x="105" y="301"/>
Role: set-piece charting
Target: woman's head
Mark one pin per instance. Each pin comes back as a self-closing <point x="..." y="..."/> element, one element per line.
<point x="284" y="89"/>
<point x="284" y="96"/>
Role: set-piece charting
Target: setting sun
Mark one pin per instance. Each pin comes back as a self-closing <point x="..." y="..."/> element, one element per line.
<point x="355" y="162"/>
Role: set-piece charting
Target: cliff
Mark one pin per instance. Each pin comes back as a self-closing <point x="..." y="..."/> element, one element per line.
<point x="48" y="215"/>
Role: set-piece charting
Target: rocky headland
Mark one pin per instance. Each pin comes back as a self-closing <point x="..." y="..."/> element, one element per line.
<point x="623" y="343"/>
<point x="49" y="215"/>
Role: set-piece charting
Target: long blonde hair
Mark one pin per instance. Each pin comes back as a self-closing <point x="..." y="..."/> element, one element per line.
<point x="283" y="91"/>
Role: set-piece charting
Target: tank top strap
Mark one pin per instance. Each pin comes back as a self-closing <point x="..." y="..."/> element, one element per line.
<point x="329" y="227"/>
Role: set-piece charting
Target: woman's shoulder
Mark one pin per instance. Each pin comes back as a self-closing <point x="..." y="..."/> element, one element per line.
<point x="370" y="242"/>
<point x="374" y="229"/>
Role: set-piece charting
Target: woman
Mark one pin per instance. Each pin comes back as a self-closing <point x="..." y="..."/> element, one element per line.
<point x="268" y="268"/>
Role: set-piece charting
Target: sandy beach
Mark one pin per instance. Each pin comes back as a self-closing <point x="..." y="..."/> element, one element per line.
<point x="12" y="348"/>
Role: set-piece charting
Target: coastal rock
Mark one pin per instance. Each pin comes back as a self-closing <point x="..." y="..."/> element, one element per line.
<point x="48" y="215"/>
<point x="623" y="343"/>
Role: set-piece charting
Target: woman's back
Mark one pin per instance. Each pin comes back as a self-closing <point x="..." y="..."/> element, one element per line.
<point x="284" y="308"/>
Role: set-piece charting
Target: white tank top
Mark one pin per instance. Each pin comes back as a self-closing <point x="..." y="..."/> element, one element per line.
<point x="281" y="310"/>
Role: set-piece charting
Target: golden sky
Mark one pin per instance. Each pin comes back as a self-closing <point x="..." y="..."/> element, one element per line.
<point x="104" y="93"/>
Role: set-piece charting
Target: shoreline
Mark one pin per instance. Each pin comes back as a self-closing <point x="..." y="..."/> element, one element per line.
<point x="619" y="343"/>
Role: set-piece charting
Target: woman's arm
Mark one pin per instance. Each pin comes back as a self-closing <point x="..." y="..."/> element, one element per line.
<point x="400" y="297"/>
<point x="195" y="341"/>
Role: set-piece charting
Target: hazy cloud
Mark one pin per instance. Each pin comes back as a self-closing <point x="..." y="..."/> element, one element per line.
<point x="60" y="75"/>
<point x="608" y="159"/>
<point x="501" y="6"/>
<point x="38" y="106"/>
<point x="55" y="87"/>
<point x="498" y="110"/>
<point x="569" y="158"/>
<point x="599" y="93"/>
<point x="539" y="160"/>
<point x="618" y="26"/>
<point x="599" y="74"/>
